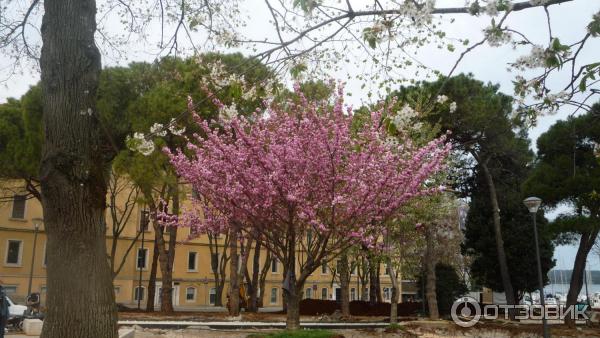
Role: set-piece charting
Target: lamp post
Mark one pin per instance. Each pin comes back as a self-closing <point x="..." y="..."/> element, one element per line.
<point x="36" y="226"/>
<point x="533" y="204"/>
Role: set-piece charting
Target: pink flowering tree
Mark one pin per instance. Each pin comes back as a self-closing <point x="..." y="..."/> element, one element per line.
<point x="301" y="177"/>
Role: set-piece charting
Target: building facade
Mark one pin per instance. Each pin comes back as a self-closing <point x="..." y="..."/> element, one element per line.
<point x="23" y="265"/>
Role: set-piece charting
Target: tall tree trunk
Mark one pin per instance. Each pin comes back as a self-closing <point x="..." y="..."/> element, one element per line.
<point x="586" y="242"/>
<point x="254" y="280"/>
<point x="372" y="279"/>
<point x="291" y="290"/>
<point x="233" y="305"/>
<point x="395" y="294"/>
<point x="168" y="256"/>
<point x="345" y="284"/>
<point x="378" y="282"/>
<point x="430" y="262"/>
<point x="263" y="279"/>
<point x="152" y="279"/>
<point x="81" y="300"/>
<point x="502" y="263"/>
<point x="218" y="264"/>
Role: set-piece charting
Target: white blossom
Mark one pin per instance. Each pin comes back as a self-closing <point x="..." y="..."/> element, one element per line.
<point x="228" y="112"/>
<point x="173" y="128"/>
<point x="158" y="130"/>
<point x="453" y="107"/>
<point x="497" y="37"/>
<point x="441" y="99"/>
<point x="140" y="143"/>
<point x="535" y="59"/>
<point x="491" y="8"/>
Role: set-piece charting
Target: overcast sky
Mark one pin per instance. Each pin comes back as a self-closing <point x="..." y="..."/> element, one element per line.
<point x="487" y="64"/>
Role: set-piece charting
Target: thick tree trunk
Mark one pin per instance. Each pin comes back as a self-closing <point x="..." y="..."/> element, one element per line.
<point x="378" y="282"/>
<point x="254" y="281"/>
<point x="81" y="301"/>
<point x="395" y="297"/>
<point x="291" y="289"/>
<point x="345" y="284"/>
<point x="152" y="279"/>
<point x="233" y="305"/>
<point x="293" y="308"/>
<point x="167" y="256"/>
<point x="502" y="263"/>
<point x="263" y="279"/>
<point x="585" y="245"/>
<point x="372" y="279"/>
<point x="430" y="262"/>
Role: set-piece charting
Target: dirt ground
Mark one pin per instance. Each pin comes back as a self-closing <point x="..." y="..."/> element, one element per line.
<point x="246" y="316"/>
<point x="411" y="329"/>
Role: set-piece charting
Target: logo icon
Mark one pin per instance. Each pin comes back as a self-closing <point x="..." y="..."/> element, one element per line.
<point x="465" y="312"/>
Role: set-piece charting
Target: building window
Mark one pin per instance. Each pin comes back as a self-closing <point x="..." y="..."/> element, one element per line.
<point x="308" y="294"/>
<point x="354" y="267"/>
<point x="117" y="289"/>
<point x="142" y="259"/>
<point x="14" y="251"/>
<point x="144" y="220"/>
<point x="324" y="293"/>
<point x="190" y="294"/>
<point x="18" y="210"/>
<point x="274" y="266"/>
<point x="309" y="237"/>
<point x="212" y="296"/>
<point x="324" y="268"/>
<point x="273" y="295"/>
<point x="10" y="289"/>
<point x="192" y="262"/>
<point x="138" y="293"/>
<point x="387" y="269"/>
<point x="353" y="294"/>
<point x="386" y="294"/>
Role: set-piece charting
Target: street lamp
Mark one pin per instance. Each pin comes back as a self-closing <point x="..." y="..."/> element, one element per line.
<point x="533" y="204"/>
<point x="36" y="226"/>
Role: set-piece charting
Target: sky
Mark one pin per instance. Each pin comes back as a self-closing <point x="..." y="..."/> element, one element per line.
<point x="487" y="64"/>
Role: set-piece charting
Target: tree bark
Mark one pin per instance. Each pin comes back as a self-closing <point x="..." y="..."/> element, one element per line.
<point x="345" y="284"/>
<point x="378" y="282"/>
<point x="233" y="305"/>
<point x="263" y="279"/>
<point x="167" y="256"/>
<point x="430" y="263"/>
<point x="372" y="279"/>
<point x="81" y="301"/>
<point x="254" y="280"/>
<point x="502" y="263"/>
<point x="588" y="238"/>
<point x="152" y="279"/>
<point x="395" y="295"/>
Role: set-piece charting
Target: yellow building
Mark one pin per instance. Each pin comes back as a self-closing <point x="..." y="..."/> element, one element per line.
<point x="22" y="230"/>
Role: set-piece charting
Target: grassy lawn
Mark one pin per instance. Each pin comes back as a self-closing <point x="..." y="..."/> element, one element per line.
<point x="296" y="334"/>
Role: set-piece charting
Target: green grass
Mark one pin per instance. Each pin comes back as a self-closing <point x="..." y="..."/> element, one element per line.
<point x="296" y="334"/>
